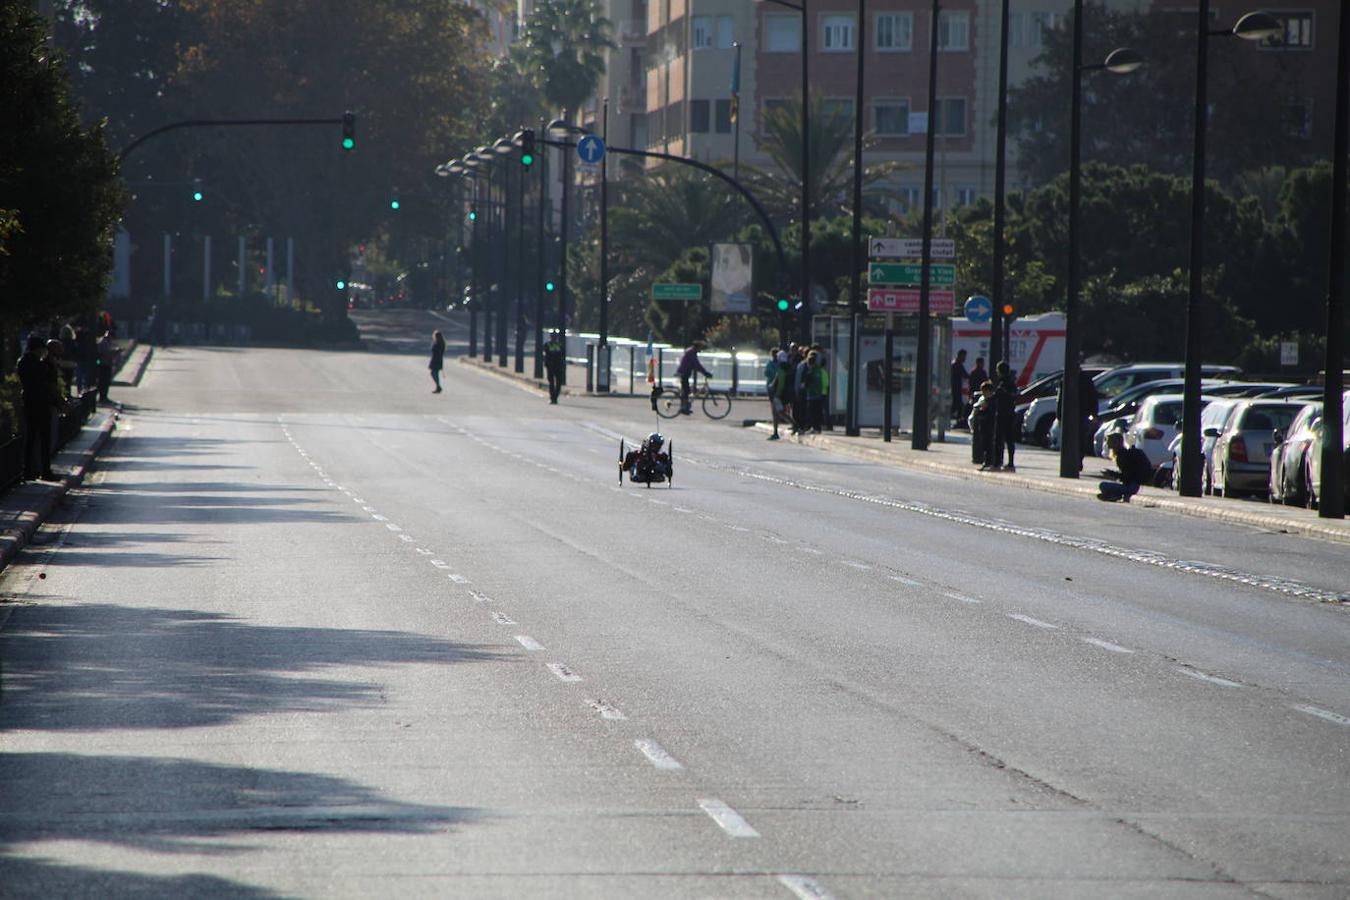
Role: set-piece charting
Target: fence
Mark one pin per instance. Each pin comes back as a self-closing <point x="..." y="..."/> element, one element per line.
<point x="740" y="371"/>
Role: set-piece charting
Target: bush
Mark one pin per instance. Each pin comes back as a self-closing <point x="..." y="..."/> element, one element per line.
<point x="11" y="406"/>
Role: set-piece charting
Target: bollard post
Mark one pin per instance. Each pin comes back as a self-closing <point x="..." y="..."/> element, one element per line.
<point x="590" y="368"/>
<point x="735" y="372"/>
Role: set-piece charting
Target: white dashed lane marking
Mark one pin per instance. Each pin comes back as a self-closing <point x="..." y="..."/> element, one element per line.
<point x="909" y="582"/>
<point x="502" y="618"/>
<point x="962" y="597"/>
<point x="804" y="888"/>
<point x="856" y="565"/>
<point x="563" y="672"/>
<point x="1107" y="645"/>
<point x="1325" y="714"/>
<point x="606" y="711"/>
<point x="392" y="527"/>
<point x="656" y="754"/>
<point x="728" y="819"/>
<point x="1204" y="676"/>
<point x="1030" y="621"/>
<point x="529" y="643"/>
<point x="457" y="578"/>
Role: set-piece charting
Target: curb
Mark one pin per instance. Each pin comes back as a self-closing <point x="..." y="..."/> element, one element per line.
<point x="1078" y="489"/>
<point x="140" y="366"/>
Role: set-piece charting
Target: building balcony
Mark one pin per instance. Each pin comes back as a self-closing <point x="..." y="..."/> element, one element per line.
<point x="633" y="35"/>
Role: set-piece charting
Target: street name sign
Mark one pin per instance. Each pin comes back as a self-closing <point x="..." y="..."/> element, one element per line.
<point x="906" y="300"/>
<point x="676" y="291"/>
<point x="940" y="274"/>
<point x="910" y="248"/>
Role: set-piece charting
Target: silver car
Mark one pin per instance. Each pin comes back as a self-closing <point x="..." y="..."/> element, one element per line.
<point x="1242" y="452"/>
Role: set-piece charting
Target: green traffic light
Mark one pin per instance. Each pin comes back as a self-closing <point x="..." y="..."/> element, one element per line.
<point x="472" y="215"/>
<point x="341" y="285"/>
<point x="348" y="143"/>
<point x="783" y="305"/>
<point x="526" y="160"/>
<point x="197" y="196"/>
<point x="548" y="286"/>
<point x="393" y="204"/>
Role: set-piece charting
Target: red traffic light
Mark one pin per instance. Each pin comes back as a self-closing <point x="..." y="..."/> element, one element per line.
<point x="1008" y="310"/>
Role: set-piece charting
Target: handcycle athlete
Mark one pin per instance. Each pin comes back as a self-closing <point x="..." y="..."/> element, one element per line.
<point x="649" y="464"/>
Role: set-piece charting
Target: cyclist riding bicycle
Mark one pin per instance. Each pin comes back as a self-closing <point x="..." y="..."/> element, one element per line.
<point x="689" y="364"/>
<point x="650" y="462"/>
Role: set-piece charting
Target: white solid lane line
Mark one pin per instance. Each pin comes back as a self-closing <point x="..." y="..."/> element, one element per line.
<point x="1326" y="714"/>
<point x="1107" y="645"/>
<point x="727" y="818"/>
<point x="908" y="582"/>
<point x="563" y="673"/>
<point x="656" y="754"/>
<point x="1212" y="679"/>
<point x="962" y="597"/>
<point x="804" y="888"/>
<point x="1030" y="621"/>
<point x="529" y="643"/>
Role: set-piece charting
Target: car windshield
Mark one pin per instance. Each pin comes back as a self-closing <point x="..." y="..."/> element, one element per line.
<point x="1167" y="413"/>
<point x="1268" y="418"/>
<point x="1216" y="414"/>
<point x="1112" y="385"/>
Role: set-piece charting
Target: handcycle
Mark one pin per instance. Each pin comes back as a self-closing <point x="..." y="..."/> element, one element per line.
<point x="668" y="404"/>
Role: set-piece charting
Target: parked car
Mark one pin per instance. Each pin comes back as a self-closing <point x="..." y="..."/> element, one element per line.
<point x="1121" y="414"/>
<point x="1038" y="402"/>
<point x="1113" y="382"/>
<point x="1242" y="452"/>
<point x="1213" y="421"/>
<point x="1288" y="462"/>
<point x="1314" y="464"/>
<point x="1296" y="392"/>
<point x="1155" y="424"/>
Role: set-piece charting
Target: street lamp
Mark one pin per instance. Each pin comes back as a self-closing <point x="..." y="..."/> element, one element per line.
<point x="565" y="127"/>
<point x="805" y="238"/>
<point x="507" y="147"/>
<point x="1331" y="492"/>
<point x="1254" y="26"/>
<point x="854" y="342"/>
<point x="1120" y="61"/>
<point x="456" y="168"/>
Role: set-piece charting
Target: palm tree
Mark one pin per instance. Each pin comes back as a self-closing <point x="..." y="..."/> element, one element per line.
<point x="830" y="180"/>
<point x="564" y="47"/>
<point x="668" y="210"/>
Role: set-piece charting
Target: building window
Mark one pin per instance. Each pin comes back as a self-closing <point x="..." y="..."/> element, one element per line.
<point x="1298" y="117"/>
<point x="890" y="118"/>
<point x="1041" y="22"/>
<point x="954" y="31"/>
<point x="909" y="197"/>
<point x="1017" y="26"/>
<point x="894" y="32"/>
<point x="698" y="116"/>
<point x="726" y="32"/>
<point x="838" y="106"/>
<point x="836" y="33"/>
<point x="965" y="196"/>
<point x="703" y="32"/>
<point x="951" y="117"/>
<point x="782" y="34"/>
<point x="722" y="119"/>
<point x="1298" y="32"/>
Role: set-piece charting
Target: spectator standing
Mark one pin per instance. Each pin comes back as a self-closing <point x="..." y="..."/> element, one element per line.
<point x="960" y="378"/>
<point x="86" y="355"/>
<point x="1006" y="427"/>
<point x="1088" y="402"/>
<point x="555" y="359"/>
<point x="37" y="379"/>
<point x="982" y="426"/>
<point x="801" y="407"/>
<point x="105" y="357"/>
<point x="1132" y="470"/>
<point x="817" y="385"/>
<point x="689" y="365"/>
<point x="437" y="359"/>
<point x="778" y="389"/>
<point x="978" y="376"/>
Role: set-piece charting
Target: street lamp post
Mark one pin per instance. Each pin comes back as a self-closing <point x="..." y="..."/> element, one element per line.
<point x="602" y="350"/>
<point x="477" y="164"/>
<point x="854" y="343"/>
<point x="804" y="322"/>
<point x="539" y="250"/>
<point x="1000" y="196"/>
<point x="1331" y="492"/>
<point x="562" y="125"/>
<point x="1120" y="61"/>
<point x="458" y="169"/>
<point x="1252" y="27"/>
<point x="923" y="362"/>
<point x="510" y="274"/>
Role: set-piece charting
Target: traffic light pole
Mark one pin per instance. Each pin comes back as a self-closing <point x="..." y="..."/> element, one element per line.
<point x="539" y="281"/>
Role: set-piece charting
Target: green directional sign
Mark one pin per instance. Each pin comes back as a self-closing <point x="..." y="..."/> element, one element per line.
<point x="940" y="274"/>
<point x="677" y="291"/>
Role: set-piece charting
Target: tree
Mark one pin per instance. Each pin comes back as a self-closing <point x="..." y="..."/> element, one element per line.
<point x="1123" y="121"/>
<point x="668" y="209"/>
<point x="60" y="197"/>
<point x="829" y="185"/>
<point x="565" y="44"/>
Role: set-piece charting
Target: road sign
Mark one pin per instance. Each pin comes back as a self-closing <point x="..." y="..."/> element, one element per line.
<point x="940" y="274"/>
<point x="676" y="291"/>
<point x="590" y="150"/>
<point x="979" y="309"/>
<point x="910" y="248"/>
<point x="906" y="300"/>
<point x="1288" y="353"/>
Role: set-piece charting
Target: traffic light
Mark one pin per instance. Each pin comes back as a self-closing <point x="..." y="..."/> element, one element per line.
<point x="197" y="194"/>
<point x="783" y="304"/>
<point x="393" y="201"/>
<point x="549" y="286"/>
<point x="349" y="131"/>
<point x="341" y="285"/>
<point x="1009" y="311"/>
<point x="526" y="137"/>
<point x="473" y="216"/>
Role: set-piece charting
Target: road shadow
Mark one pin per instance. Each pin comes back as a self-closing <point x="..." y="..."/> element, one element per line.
<point x="179" y="807"/>
<point x="90" y="667"/>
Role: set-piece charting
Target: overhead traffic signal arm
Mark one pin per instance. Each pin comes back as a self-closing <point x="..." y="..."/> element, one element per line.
<point x="346" y="119"/>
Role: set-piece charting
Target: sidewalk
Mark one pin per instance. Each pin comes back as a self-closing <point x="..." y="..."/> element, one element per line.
<point x="1038" y="469"/>
<point x="24" y="508"/>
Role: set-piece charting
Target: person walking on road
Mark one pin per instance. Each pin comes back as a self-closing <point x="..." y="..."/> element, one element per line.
<point x="1006" y="426"/>
<point x="1132" y="470"/>
<point x="959" y="379"/>
<point x="689" y="365"/>
<point x="437" y="359"/>
<point x="554" y="360"/>
<point x="37" y="378"/>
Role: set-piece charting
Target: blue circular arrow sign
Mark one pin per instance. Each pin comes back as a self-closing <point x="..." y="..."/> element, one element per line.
<point x="979" y="309"/>
<point x="591" y="149"/>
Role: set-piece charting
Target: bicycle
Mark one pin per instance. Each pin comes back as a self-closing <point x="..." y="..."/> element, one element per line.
<point x="716" y="404"/>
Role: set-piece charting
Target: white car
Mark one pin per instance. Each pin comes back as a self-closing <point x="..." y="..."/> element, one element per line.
<point x="1156" y="423"/>
<point x="1213" y="421"/>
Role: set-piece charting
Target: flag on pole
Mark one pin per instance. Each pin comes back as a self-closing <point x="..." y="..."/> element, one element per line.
<point x="735" y="86"/>
<point x="651" y="360"/>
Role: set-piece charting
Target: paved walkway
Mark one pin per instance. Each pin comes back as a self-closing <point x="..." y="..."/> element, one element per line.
<point x="1037" y="469"/>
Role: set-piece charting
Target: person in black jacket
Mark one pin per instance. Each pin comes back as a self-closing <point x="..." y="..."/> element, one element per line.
<point x="37" y="377"/>
<point x="1006" y="425"/>
<point x="1132" y="470"/>
<point x="437" y="359"/>
<point x="555" y="362"/>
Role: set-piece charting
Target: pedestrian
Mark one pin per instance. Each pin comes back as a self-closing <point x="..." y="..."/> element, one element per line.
<point x="779" y="392"/>
<point x="1132" y="470"/>
<point x="37" y="380"/>
<point x="555" y="360"/>
<point x="982" y="426"/>
<point x="801" y="406"/>
<point x="86" y="355"/>
<point x="1087" y="405"/>
<point x="1006" y="425"/>
<point x="817" y="384"/>
<point x="437" y="359"/>
<point x="959" y="379"/>
<point x="105" y="354"/>
<point x="978" y="376"/>
<point x="689" y="366"/>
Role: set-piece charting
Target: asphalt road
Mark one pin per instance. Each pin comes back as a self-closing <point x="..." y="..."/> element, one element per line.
<point x="311" y="630"/>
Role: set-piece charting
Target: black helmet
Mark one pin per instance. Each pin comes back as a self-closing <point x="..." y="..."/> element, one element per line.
<point x="655" y="441"/>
